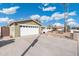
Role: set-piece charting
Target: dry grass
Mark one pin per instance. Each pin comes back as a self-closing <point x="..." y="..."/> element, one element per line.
<point x="64" y="35"/>
<point x="61" y="35"/>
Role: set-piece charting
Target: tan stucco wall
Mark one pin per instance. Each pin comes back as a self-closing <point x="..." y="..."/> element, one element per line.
<point x="12" y="30"/>
<point x="17" y="31"/>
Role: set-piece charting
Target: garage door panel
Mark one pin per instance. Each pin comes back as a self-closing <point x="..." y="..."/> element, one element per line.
<point x="29" y="30"/>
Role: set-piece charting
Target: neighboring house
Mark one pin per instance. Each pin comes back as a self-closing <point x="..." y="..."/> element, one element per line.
<point x="23" y="28"/>
<point x="59" y="28"/>
<point x="45" y="29"/>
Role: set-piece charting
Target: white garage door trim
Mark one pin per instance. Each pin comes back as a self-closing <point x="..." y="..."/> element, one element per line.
<point x="28" y="29"/>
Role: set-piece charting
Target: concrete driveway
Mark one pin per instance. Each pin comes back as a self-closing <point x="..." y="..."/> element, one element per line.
<point x="15" y="47"/>
<point x="49" y="45"/>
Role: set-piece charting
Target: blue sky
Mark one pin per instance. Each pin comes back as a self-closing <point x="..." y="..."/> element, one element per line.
<point x="20" y="11"/>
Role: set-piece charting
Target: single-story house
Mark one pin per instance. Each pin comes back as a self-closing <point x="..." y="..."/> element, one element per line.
<point x="23" y="28"/>
<point x="58" y="26"/>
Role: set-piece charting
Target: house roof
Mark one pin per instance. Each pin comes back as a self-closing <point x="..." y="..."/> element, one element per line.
<point x="25" y="21"/>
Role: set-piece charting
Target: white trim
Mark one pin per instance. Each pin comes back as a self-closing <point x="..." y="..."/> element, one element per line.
<point x="27" y="25"/>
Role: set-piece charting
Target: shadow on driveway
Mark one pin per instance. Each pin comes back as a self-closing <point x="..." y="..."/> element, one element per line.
<point x="6" y="42"/>
<point x="32" y="44"/>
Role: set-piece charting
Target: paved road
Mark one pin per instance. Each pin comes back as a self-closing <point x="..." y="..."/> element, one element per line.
<point x="49" y="45"/>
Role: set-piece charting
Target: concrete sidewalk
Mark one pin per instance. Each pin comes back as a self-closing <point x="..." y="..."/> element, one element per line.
<point x="19" y="45"/>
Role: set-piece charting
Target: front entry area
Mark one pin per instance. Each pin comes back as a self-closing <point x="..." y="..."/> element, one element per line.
<point x="29" y="30"/>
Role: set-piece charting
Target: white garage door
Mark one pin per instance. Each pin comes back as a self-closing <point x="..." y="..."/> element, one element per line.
<point x="28" y="30"/>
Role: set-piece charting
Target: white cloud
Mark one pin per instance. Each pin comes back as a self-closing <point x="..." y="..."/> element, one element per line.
<point x="44" y="18"/>
<point x="10" y="20"/>
<point x="6" y="20"/>
<point x="33" y="17"/>
<point x="45" y="8"/>
<point x="72" y="13"/>
<point x="58" y="15"/>
<point x="10" y="10"/>
<point x="72" y="23"/>
<point x="45" y="4"/>
<point x="70" y="20"/>
<point x="49" y="9"/>
<point x="54" y="16"/>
